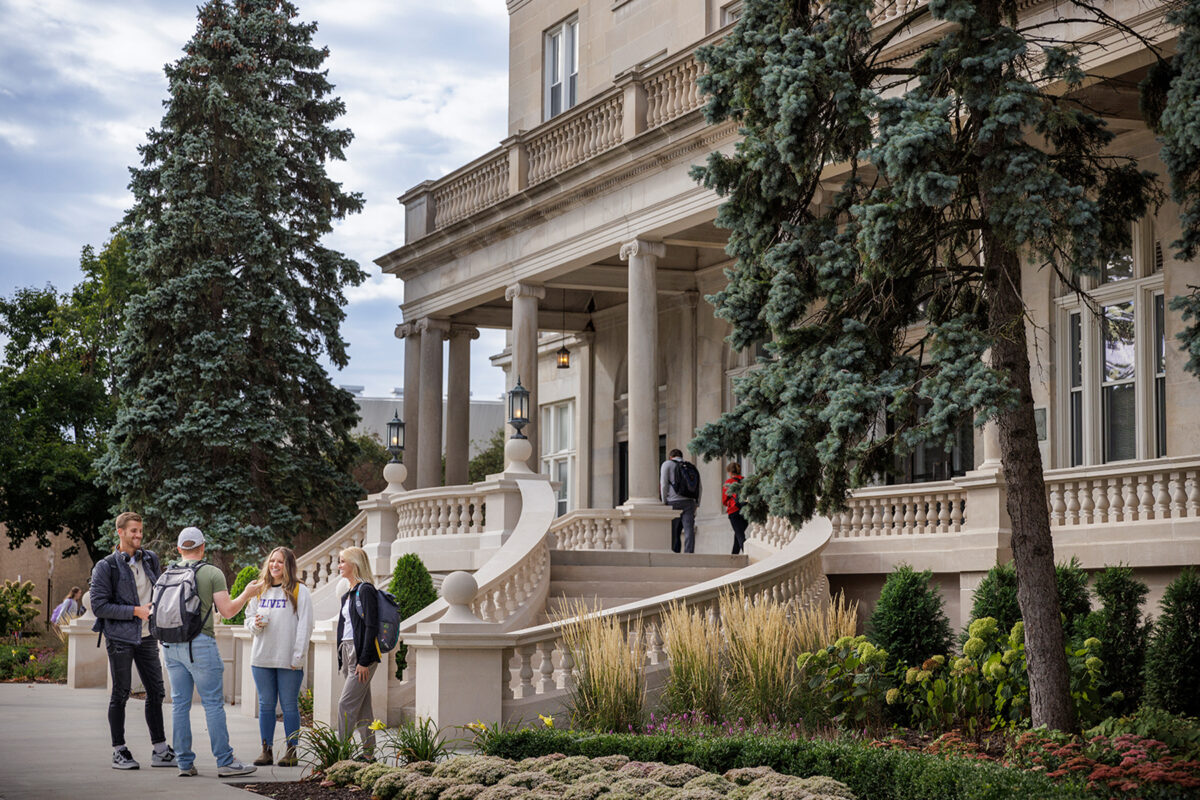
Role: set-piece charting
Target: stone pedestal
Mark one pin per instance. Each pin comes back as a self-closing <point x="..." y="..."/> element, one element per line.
<point x="381" y="531"/>
<point x="648" y="526"/>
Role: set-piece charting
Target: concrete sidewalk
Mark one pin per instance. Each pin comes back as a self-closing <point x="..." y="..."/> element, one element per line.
<point x="54" y="744"/>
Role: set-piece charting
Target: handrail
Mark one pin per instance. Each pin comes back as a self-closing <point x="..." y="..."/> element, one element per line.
<point x="318" y="566"/>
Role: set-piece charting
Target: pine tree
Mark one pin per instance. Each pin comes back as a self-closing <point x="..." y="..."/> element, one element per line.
<point x="228" y="420"/>
<point x="899" y="291"/>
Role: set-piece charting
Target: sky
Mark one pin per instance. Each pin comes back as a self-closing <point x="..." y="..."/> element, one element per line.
<point x="81" y="81"/>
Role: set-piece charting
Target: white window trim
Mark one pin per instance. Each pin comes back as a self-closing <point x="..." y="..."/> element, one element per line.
<point x="563" y="29"/>
<point x="550" y="458"/>
<point x="1141" y="290"/>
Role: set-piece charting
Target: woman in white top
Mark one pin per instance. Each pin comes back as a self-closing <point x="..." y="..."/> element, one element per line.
<point x="281" y="620"/>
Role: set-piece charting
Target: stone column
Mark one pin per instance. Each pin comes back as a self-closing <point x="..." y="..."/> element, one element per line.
<point x="647" y="520"/>
<point x="525" y="297"/>
<point x="412" y="387"/>
<point x="642" y="363"/>
<point x="687" y="371"/>
<point x="429" y="434"/>
<point x="458" y="404"/>
<point x="583" y="439"/>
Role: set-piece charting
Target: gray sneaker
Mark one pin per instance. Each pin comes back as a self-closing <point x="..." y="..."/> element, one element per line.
<point x="123" y="759"/>
<point x="190" y="772"/>
<point x="235" y="768"/>
<point x="164" y="759"/>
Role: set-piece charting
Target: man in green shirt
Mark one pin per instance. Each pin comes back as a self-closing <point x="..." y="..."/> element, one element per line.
<point x="196" y="665"/>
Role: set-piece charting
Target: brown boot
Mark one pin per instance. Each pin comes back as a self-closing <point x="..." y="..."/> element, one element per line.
<point x="265" y="758"/>
<point x="289" y="759"/>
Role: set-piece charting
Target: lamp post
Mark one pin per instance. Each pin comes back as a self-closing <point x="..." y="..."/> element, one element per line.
<point x="394" y="472"/>
<point x="518" y="449"/>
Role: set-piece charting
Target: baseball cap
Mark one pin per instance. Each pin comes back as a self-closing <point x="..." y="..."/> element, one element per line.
<point x="190" y="538"/>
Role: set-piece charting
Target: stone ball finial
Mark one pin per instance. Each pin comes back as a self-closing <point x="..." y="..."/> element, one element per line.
<point x="459" y="588"/>
<point x="516" y="455"/>
<point x="394" y="473"/>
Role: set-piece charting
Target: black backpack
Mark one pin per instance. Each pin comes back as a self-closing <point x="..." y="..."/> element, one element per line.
<point x="175" y="611"/>
<point x="388" y="614"/>
<point x="686" y="482"/>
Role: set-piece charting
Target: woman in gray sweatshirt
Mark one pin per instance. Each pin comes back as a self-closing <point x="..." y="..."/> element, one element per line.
<point x="280" y="619"/>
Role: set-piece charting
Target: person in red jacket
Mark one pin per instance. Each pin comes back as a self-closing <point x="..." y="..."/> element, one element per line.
<point x="733" y="508"/>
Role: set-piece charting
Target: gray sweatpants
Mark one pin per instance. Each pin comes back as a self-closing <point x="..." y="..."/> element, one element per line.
<point x="354" y="706"/>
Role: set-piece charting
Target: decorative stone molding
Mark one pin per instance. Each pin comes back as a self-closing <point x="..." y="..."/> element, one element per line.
<point x="458" y="329"/>
<point x="406" y="329"/>
<point x="431" y="325"/>
<point x="642" y="247"/>
<point x="525" y="290"/>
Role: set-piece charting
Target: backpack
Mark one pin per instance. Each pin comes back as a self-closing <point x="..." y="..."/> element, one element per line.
<point x="388" y="614"/>
<point x="686" y="481"/>
<point x="175" y="605"/>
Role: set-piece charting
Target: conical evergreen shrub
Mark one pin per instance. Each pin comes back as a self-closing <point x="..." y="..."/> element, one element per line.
<point x="1173" y="658"/>
<point x="412" y="586"/>
<point x="909" y="620"/>
<point x="1124" y="633"/>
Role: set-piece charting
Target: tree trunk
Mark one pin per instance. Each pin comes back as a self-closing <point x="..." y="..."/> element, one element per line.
<point x="1032" y="544"/>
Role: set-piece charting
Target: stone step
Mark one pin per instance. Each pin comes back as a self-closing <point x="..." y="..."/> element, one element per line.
<point x="611" y="588"/>
<point x="567" y="573"/>
<point x="557" y="607"/>
<point x="634" y="558"/>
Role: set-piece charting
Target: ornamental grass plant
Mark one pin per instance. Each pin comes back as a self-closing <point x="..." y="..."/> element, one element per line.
<point x="693" y="643"/>
<point x="762" y="647"/>
<point x="822" y="624"/>
<point x="609" y="692"/>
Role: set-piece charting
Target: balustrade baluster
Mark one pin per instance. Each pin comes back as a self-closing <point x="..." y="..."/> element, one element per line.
<point x="1086" y="508"/>
<point x="506" y="687"/>
<point x="1057" y="506"/>
<point x="655" y="653"/>
<point x="566" y="666"/>
<point x="876" y="519"/>
<point x="1131" y="499"/>
<point x="1192" y="492"/>
<point x="1071" y="502"/>
<point x="1145" y="497"/>
<point x="1162" y="500"/>
<point x="886" y="522"/>
<point x="1116" y="507"/>
<point x="1178" y="496"/>
<point x="910" y="515"/>
<point x="546" y="684"/>
<point x="921" y="518"/>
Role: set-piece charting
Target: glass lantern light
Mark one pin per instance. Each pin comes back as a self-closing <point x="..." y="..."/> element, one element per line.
<point x="518" y="409"/>
<point x="395" y="437"/>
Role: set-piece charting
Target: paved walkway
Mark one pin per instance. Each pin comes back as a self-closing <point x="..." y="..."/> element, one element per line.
<point x="54" y="744"/>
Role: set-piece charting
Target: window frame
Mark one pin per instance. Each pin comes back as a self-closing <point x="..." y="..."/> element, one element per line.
<point x="557" y="61"/>
<point x="554" y="457"/>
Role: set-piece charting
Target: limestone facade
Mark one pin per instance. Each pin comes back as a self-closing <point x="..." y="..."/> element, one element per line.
<point x="585" y="230"/>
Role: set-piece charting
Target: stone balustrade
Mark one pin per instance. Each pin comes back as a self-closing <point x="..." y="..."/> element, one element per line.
<point x="440" y="511"/>
<point x="911" y="509"/>
<point x="673" y="92"/>
<point x="589" y="529"/>
<point x="573" y="138"/>
<point x="888" y="10"/>
<point x="318" y="566"/>
<point x="1162" y="489"/>
<point x="469" y="190"/>
<point x="776" y="532"/>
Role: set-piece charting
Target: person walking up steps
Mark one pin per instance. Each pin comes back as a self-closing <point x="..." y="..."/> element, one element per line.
<point x="196" y="665"/>
<point x="280" y="618"/>
<point x="358" y="655"/>
<point x="679" y="487"/>
<point x="733" y="506"/>
<point x="121" y="586"/>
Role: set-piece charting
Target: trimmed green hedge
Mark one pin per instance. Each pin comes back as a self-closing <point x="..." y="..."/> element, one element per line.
<point x="873" y="773"/>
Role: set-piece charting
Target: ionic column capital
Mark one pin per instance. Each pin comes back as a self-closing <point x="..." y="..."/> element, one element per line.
<point x="642" y="247"/>
<point x="405" y="330"/>
<point x="525" y="290"/>
<point x="458" y="329"/>
<point x="431" y="325"/>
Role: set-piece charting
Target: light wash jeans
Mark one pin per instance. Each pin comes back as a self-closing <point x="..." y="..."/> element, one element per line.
<point x="282" y="686"/>
<point x="202" y="671"/>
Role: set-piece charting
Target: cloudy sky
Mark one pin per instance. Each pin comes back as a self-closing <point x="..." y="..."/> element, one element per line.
<point x="81" y="82"/>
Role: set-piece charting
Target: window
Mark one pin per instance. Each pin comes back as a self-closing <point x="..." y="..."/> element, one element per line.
<point x="1114" y="388"/>
<point x="558" y="450"/>
<point x="561" y="68"/>
<point x="731" y="12"/>
<point x="931" y="462"/>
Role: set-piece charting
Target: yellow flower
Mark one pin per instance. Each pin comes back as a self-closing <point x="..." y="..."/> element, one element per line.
<point x="34" y="658"/>
<point x="477" y="725"/>
<point x="892" y="696"/>
<point x="377" y="725"/>
<point x="547" y="721"/>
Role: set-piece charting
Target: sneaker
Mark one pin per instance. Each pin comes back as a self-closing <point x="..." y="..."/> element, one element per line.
<point x="123" y="759"/>
<point x="164" y="759"/>
<point x="234" y="768"/>
<point x="190" y="772"/>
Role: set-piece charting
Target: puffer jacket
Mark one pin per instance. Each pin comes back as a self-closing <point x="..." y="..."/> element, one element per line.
<point x="114" y="596"/>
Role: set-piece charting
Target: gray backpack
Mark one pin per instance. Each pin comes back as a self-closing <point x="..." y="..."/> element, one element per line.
<point x="175" y="611"/>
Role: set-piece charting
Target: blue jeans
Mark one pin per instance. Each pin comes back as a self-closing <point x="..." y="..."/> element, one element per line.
<point x="200" y="670"/>
<point x="282" y="685"/>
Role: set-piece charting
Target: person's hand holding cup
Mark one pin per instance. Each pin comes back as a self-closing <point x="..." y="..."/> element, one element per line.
<point x="260" y="621"/>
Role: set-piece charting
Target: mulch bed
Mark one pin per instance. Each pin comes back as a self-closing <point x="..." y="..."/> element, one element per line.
<point x="308" y="789"/>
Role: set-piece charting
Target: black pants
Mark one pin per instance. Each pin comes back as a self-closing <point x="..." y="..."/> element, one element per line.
<point x="739" y="524"/>
<point x="121" y="658"/>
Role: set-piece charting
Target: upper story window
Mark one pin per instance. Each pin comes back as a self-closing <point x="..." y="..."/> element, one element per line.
<point x="1113" y="386"/>
<point x="561" y="67"/>
<point x="558" y="451"/>
<point x="731" y="12"/>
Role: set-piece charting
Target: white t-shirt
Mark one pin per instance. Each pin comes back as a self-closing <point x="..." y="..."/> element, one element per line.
<point x="347" y="624"/>
<point x="282" y="642"/>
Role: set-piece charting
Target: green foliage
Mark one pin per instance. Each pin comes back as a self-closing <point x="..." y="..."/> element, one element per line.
<point x="490" y="460"/>
<point x="57" y="402"/>
<point x="32" y="664"/>
<point x="18" y="606"/>
<point x="1178" y="732"/>
<point x="1124" y="634"/>
<point x="872" y="773"/>
<point x="245" y="576"/>
<point x="846" y="683"/>
<point x="909" y="621"/>
<point x="419" y="740"/>
<point x="996" y="595"/>
<point x="321" y="747"/>
<point x="412" y="586"/>
<point x="228" y="420"/>
<point x="1172" y="677"/>
<point x="368" y="462"/>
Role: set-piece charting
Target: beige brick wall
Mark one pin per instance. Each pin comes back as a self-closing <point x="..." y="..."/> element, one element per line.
<point x="31" y="563"/>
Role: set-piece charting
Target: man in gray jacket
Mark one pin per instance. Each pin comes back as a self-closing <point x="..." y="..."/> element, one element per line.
<point x="121" y="586"/>
<point x="681" y="492"/>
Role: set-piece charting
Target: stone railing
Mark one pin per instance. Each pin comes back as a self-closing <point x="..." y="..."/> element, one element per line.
<point x="911" y="509"/>
<point x="776" y="532"/>
<point x="887" y="10"/>
<point x="440" y="511"/>
<point x="318" y="566"/>
<point x="673" y="92"/>
<point x="575" y="137"/>
<point x="1163" y="489"/>
<point x="589" y="529"/>
<point x="470" y="189"/>
<point x="536" y="666"/>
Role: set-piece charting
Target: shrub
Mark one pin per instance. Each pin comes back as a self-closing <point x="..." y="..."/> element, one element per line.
<point x="1073" y="601"/>
<point x="1172" y="676"/>
<point x="996" y="596"/>
<point x="846" y="683"/>
<point x="1180" y="734"/>
<point x="822" y="624"/>
<point x="1124" y="633"/>
<point x="412" y="587"/>
<point x="871" y="773"/>
<point x="18" y="606"/>
<point x="609" y="690"/>
<point x="693" y="644"/>
<point x="245" y="576"/>
<point x="909" y="622"/>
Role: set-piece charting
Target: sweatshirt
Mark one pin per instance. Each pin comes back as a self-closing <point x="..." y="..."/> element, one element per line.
<point x="283" y="642"/>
